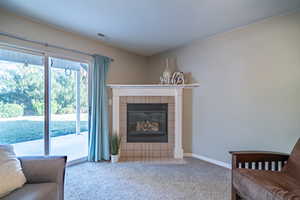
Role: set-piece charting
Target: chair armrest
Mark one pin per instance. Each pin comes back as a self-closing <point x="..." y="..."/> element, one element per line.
<point x="40" y="169"/>
<point x="240" y="158"/>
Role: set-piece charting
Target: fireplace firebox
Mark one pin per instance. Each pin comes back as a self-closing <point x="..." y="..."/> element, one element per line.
<point x="147" y="122"/>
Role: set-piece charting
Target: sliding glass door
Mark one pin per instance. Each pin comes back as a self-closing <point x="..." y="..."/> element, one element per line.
<point x="43" y="105"/>
<point x="22" y="101"/>
<point x="69" y="108"/>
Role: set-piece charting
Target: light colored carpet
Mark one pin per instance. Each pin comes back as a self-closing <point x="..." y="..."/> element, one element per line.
<point x="194" y="180"/>
<point x="170" y="161"/>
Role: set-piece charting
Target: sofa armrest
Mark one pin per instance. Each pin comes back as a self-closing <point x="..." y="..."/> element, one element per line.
<point x="240" y="158"/>
<point x="39" y="169"/>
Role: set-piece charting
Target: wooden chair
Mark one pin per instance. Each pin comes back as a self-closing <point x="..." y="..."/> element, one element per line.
<point x="250" y="168"/>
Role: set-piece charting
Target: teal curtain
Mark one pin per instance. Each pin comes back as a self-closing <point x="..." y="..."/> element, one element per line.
<point x="98" y="115"/>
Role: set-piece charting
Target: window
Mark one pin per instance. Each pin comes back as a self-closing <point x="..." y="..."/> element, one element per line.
<point x="23" y="91"/>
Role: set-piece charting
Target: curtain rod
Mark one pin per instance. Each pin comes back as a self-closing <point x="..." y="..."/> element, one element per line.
<point x="47" y="44"/>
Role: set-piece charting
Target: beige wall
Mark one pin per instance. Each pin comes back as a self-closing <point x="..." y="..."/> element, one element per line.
<point x="127" y="67"/>
<point x="249" y="96"/>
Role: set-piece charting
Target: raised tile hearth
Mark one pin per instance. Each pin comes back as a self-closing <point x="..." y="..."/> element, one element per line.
<point x="151" y="103"/>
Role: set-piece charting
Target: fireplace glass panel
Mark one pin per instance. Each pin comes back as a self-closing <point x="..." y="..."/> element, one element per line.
<point x="147" y="123"/>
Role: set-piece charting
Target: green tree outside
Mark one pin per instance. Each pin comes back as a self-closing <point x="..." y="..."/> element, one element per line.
<point x="24" y="86"/>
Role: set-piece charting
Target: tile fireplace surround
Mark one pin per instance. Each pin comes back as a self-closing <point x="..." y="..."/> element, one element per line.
<point x="172" y="95"/>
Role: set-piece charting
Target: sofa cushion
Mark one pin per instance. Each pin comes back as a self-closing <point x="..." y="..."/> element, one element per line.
<point x="293" y="164"/>
<point x="11" y="174"/>
<point x="268" y="185"/>
<point x="41" y="191"/>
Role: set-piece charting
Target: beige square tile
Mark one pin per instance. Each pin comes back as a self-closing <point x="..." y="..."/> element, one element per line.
<point x="148" y="154"/>
<point x="123" y="100"/>
<point x="123" y="139"/>
<point x="171" y="99"/>
<point x="143" y="154"/>
<point x="128" y="146"/>
<point x="129" y="153"/>
<point x="123" y="136"/>
<point x="164" y="147"/>
<point x="123" y="146"/>
<point x="151" y="147"/>
<point x="123" y="129"/>
<point x="141" y="145"/>
<point x="164" y="154"/>
<point x="140" y="100"/>
<point x="149" y="99"/>
<point x="136" y="99"/>
<point x="122" y="124"/>
<point x="170" y="154"/>
<point x="156" y="147"/>
<point x="156" y="99"/>
<point x="123" y="107"/>
<point x="148" y="147"/>
<point x="134" y="154"/>
<point x="144" y="146"/>
<point x="138" y="146"/>
<point x="171" y="125"/>
<point x="171" y="141"/>
<point x="123" y="119"/>
<point x="140" y="154"/>
<point x="134" y="146"/>
<point x="124" y="153"/>
<point x="130" y="99"/>
<point x="160" y="154"/>
<point x="171" y="117"/>
<point x="170" y="132"/>
<point x="171" y="110"/>
<point x="156" y="154"/>
<point x="171" y="135"/>
<point x="161" y="146"/>
<point x="152" y="154"/>
<point x="171" y="106"/>
<point x="164" y="99"/>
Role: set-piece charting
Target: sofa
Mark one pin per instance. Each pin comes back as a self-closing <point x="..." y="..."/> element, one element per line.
<point x="45" y="179"/>
<point x="266" y="175"/>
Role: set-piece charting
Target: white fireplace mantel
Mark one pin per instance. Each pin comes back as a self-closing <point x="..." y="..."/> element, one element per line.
<point x="152" y="90"/>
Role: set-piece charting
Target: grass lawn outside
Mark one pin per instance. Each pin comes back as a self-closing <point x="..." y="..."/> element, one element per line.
<point x="32" y="128"/>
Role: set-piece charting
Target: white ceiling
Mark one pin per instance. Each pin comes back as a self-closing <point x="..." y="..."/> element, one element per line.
<point x="148" y="27"/>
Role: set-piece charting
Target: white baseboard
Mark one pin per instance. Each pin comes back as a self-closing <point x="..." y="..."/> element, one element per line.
<point x="210" y="160"/>
<point x="77" y="161"/>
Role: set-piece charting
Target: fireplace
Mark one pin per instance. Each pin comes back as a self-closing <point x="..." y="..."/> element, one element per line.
<point x="133" y="144"/>
<point x="147" y="122"/>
